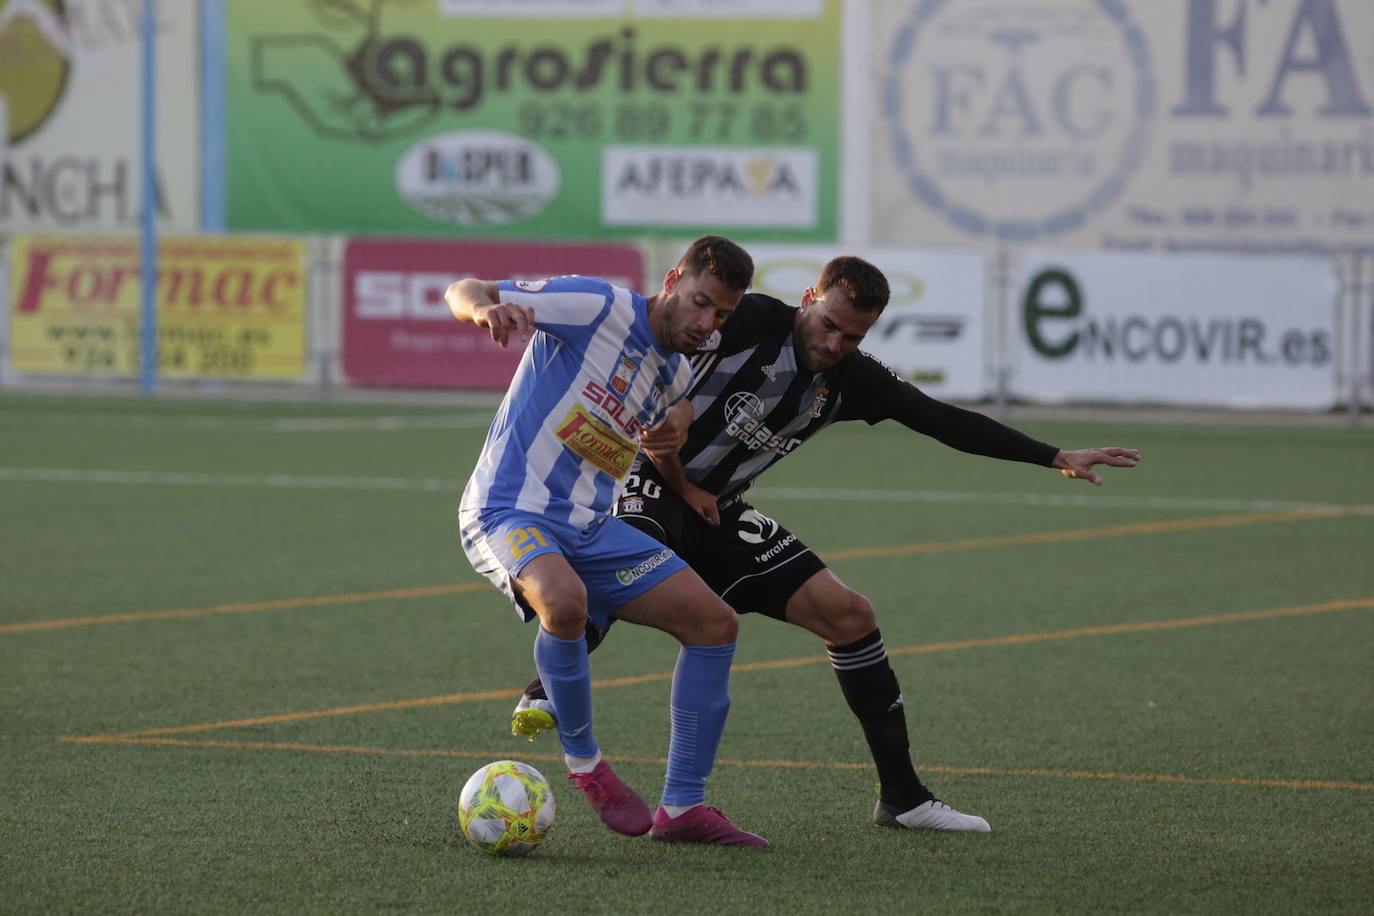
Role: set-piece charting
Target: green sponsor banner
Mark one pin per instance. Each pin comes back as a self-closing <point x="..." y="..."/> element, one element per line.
<point x="425" y="117"/>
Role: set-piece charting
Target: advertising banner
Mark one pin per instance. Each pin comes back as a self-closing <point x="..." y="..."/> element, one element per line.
<point x="1182" y="329"/>
<point x="226" y="308"/>
<point x="1187" y="125"/>
<point x="549" y="119"/>
<point x="71" y="115"/>
<point x="932" y="329"/>
<point x="398" y="331"/>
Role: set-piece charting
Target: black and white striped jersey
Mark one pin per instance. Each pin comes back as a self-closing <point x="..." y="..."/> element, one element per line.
<point x="754" y="403"/>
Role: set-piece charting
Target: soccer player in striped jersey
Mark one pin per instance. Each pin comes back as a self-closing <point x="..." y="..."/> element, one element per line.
<point x="771" y="379"/>
<point x="603" y="363"/>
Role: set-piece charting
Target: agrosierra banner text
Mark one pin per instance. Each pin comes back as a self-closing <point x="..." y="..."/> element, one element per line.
<point x="457" y="119"/>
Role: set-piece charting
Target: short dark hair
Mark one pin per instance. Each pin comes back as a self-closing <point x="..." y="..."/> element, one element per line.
<point x="862" y="284"/>
<point x="721" y="258"/>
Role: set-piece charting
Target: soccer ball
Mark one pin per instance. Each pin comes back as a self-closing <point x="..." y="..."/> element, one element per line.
<point x="506" y="808"/>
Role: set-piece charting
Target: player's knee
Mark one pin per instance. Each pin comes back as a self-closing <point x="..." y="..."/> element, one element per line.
<point x="715" y="625"/>
<point x="853" y="618"/>
<point x="564" y="617"/>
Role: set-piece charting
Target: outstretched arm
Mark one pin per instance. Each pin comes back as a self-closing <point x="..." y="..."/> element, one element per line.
<point x="479" y="302"/>
<point x="1079" y="464"/>
<point x="883" y="394"/>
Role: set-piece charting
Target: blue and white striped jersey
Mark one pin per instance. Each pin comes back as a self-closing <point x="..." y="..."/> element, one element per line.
<point x="567" y="431"/>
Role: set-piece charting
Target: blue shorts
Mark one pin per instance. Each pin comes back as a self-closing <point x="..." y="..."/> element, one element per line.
<point x="614" y="561"/>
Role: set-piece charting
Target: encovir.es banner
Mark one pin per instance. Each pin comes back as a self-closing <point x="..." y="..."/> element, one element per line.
<point x="1177" y="329"/>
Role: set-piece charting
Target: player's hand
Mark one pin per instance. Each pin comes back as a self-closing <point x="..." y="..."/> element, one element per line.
<point x="668" y="437"/>
<point x="503" y="319"/>
<point x="703" y="503"/>
<point x="1079" y="464"/>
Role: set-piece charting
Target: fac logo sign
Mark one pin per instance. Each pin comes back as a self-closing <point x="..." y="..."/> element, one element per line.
<point x="34" y="63"/>
<point x="992" y="101"/>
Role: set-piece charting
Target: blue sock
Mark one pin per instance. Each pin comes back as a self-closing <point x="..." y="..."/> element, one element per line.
<point x="700" y="703"/>
<point x="562" y="666"/>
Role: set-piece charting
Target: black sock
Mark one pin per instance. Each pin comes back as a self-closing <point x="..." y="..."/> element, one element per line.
<point x="870" y="687"/>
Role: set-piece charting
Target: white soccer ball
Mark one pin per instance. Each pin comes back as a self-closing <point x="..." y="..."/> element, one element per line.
<point x="506" y="808"/>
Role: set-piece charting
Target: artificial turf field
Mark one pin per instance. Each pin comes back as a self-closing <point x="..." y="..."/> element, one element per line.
<point x="246" y="669"/>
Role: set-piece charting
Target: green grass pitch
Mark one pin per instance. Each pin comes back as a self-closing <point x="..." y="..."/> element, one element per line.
<point x="246" y="668"/>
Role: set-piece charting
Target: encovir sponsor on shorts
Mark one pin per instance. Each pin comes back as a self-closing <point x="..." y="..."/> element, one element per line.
<point x="628" y="576"/>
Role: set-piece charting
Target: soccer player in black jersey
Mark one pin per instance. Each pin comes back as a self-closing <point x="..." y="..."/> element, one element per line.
<point x="772" y="377"/>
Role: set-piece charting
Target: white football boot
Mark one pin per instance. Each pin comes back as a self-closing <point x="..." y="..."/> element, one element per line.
<point x="930" y="815"/>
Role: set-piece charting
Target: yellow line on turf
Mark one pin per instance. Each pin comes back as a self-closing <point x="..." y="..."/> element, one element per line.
<point x="244" y="607"/>
<point x="1014" y="639"/>
<point x="1086" y="534"/>
<point x="772" y="764"/>
<point x="1143" y="627"/>
<point x="1043" y="537"/>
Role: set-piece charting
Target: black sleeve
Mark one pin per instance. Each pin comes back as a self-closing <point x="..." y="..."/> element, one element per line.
<point x="872" y="392"/>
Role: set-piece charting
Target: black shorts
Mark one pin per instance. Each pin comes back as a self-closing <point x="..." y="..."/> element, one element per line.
<point x="750" y="561"/>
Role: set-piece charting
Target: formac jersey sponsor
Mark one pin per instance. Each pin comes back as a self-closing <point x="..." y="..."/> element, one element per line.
<point x="567" y="431"/>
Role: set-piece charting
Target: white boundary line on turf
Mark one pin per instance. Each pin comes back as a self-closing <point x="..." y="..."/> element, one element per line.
<point x="382" y="423"/>
<point x="834" y="494"/>
<point x="1078" y="501"/>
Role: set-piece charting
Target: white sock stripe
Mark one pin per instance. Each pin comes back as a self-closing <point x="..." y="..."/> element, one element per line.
<point x="871" y="655"/>
<point x="878" y="647"/>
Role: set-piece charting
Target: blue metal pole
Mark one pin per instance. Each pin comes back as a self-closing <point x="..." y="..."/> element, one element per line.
<point x="212" y="102"/>
<point x="148" y="342"/>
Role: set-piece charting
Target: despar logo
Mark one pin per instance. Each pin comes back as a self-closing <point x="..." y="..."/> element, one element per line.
<point x="35" y="54"/>
<point x="477" y="177"/>
<point x="1018" y="121"/>
<point x="725" y="186"/>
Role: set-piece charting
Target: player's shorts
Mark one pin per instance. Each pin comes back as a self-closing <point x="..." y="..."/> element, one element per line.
<point x="615" y="562"/>
<point x="750" y="561"/>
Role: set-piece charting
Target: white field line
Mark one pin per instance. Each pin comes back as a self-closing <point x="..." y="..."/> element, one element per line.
<point x="383" y="423"/>
<point x="822" y="494"/>
<point x="1076" y="501"/>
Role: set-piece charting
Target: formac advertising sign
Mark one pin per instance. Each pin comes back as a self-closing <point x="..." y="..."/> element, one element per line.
<point x="544" y="119"/>
<point x="230" y="308"/>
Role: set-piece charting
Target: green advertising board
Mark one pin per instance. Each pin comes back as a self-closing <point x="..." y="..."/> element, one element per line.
<point x="576" y="119"/>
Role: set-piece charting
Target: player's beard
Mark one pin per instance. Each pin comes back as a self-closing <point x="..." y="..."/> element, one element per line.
<point x="811" y="356"/>
<point x="682" y="338"/>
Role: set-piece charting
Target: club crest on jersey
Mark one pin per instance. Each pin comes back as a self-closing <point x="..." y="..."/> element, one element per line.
<point x="530" y="286"/>
<point x="818" y="405"/>
<point x="710" y="344"/>
<point x="624" y="376"/>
